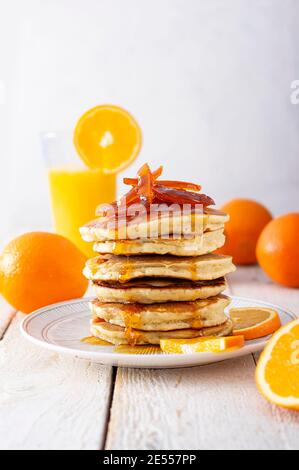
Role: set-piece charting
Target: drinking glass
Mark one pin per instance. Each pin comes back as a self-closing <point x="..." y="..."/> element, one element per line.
<point x="75" y="190"/>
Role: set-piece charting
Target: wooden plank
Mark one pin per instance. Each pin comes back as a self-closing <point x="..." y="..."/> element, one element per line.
<point x="49" y="401"/>
<point x="209" y="407"/>
<point x="7" y="313"/>
<point x="252" y="282"/>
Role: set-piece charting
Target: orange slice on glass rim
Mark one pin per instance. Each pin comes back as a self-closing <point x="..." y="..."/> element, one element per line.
<point x="254" y="322"/>
<point x="277" y="372"/>
<point x="207" y="344"/>
<point x="108" y="138"/>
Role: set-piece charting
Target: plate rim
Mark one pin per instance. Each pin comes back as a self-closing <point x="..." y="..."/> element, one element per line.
<point x="154" y="361"/>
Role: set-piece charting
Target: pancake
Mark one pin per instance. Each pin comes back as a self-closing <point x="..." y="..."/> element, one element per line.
<point x="124" y="268"/>
<point x="196" y="246"/>
<point x="152" y="290"/>
<point x="155" y="226"/>
<point x="163" y="316"/>
<point x="119" y="335"/>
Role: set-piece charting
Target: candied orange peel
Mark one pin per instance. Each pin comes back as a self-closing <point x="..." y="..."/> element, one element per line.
<point x="148" y="189"/>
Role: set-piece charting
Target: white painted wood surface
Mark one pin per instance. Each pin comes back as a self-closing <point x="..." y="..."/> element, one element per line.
<point x="53" y="402"/>
<point x="208" y="407"/>
<point x="48" y="401"/>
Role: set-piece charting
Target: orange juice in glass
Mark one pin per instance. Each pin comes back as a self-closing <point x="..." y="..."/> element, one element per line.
<point x="75" y="190"/>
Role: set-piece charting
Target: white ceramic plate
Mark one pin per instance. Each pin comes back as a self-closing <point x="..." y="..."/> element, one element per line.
<point x="60" y="327"/>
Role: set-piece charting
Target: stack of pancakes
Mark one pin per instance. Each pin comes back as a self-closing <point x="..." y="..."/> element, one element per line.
<point x="153" y="288"/>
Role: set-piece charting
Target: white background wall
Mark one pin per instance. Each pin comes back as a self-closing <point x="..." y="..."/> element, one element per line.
<point x="208" y="80"/>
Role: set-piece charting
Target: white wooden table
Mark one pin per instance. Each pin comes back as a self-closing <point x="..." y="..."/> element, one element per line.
<point x="52" y="402"/>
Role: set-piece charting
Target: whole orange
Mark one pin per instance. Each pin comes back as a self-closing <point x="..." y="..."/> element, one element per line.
<point x="39" y="268"/>
<point x="247" y="220"/>
<point x="278" y="250"/>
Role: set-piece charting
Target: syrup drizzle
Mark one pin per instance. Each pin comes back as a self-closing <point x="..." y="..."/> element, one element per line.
<point x="193" y="270"/>
<point x="142" y="349"/>
<point x="119" y="247"/>
<point x="132" y="320"/>
<point x="95" y="341"/>
<point x="123" y="348"/>
<point x="125" y="271"/>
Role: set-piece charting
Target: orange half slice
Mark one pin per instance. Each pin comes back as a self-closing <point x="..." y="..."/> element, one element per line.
<point x="208" y="344"/>
<point x="277" y="372"/>
<point x="254" y="322"/>
<point x="108" y="138"/>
